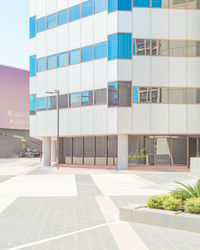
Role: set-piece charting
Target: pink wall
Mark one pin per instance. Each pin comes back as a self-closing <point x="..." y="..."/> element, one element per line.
<point x="14" y="98"/>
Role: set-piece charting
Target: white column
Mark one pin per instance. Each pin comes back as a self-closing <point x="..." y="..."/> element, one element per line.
<point x="53" y="151"/>
<point x="122" y="151"/>
<point x="46" y="151"/>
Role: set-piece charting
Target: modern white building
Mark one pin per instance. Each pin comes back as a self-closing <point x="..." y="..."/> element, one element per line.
<point x="128" y="72"/>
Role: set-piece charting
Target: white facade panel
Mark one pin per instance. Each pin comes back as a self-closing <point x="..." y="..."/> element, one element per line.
<point x="41" y="43"/>
<point x="74" y="78"/>
<point x="141" y="71"/>
<point x="52" y="80"/>
<point x="124" y="70"/>
<point x="124" y="22"/>
<point x="141" y="22"/>
<point x="193" y="119"/>
<point x="159" y="23"/>
<point x="51" y="41"/>
<point x="74" y="121"/>
<point x="41" y="84"/>
<point x="178" y="24"/>
<point x="51" y="123"/>
<point x="193" y="25"/>
<point x="193" y="72"/>
<point x="51" y="6"/>
<point x="63" y="38"/>
<point x="159" y="119"/>
<point x="87" y="121"/>
<point x="125" y="120"/>
<point x="100" y="120"/>
<point x="159" y="71"/>
<point x="112" y="70"/>
<point x="112" y="23"/>
<point x="73" y="2"/>
<point x="177" y="71"/>
<point x="87" y="31"/>
<point x="63" y="80"/>
<point x="87" y="78"/>
<point x="75" y="35"/>
<point x="177" y="119"/>
<point x="33" y="85"/>
<point x="64" y="122"/>
<point x="32" y="8"/>
<point x="141" y="119"/>
<point x="41" y="124"/>
<point x="41" y="8"/>
<point x="62" y="4"/>
<point x="33" y="46"/>
<point x="100" y="73"/>
<point x="112" y="121"/>
<point x="100" y="27"/>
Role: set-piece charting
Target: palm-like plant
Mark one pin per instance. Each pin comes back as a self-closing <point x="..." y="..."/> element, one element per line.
<point x="188" y="191"/>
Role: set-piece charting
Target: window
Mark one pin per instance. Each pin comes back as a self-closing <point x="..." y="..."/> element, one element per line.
<point x="101" y="146"/>
<point x="87" y="98"/>
<point x="63" y="59"/>
<point x="100" y="96"/>
<point x="51" y="102"/>
<point x="74" y="13"/>
<point x="32" y="65"/>
<point x="141" y="95"/>
<point x="52" y="62"/>
<point x="119" y="46"/>
<point x="177" y="48"/>
<point x="33" y="104"/>
<point x="100" y="5"/>
<point x="124" y="89"/>
<point x="87" y="54"/>
<point x="100" y="50"/>
<point x="178" y="95"/>
<point x="194" y="4"/>
<point x="32" y="27"/>
<point x="141" y="3"/>
<point x="74" y="56"/>
<point x="75" y="100"/>
<point x="89" y="146"/>
<point x="41" y="103"/>
<point x="193" y="48"/>
<point x="160" y="47"/>
<point x="87" y="8"/>
<point x="139" y="47"/>
<point x="124" y="46"/>
<point x="112" y="146"/>
<point x="112" y="5"/>
<point x="124" y="5"/>
<point x="63" y="101"/>
<point x="78" y="146"/>
<point x="41" y="64"/>
<point x="159" y="95"/>
<point x="193" y="95"/>
<point x="41" y="24"/>
<point x="51" y="21"/>
<point x="62" y="17"/>
<point x="112" y="46"/>
<point x="68" y="147"/>
<point x="112" y="94"/>
<point x="178" y="4"/>
<point x="160" y="3"/>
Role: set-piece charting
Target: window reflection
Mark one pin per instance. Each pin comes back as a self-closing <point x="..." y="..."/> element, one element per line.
<point x="194" y="95"/>
<point x="177" y="48"/>
<point x="178" y="95"/>
<point x="182" y="4"/>
<point x="159" y="95"/>
<point x="193" y="48"/>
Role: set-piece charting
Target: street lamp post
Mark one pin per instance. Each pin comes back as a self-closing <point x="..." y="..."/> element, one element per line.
<point x="58" y="123"/>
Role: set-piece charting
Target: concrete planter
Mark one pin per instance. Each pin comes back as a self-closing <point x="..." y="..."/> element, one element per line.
<point x="162" y="218"/>
<point x="195" y="165"/>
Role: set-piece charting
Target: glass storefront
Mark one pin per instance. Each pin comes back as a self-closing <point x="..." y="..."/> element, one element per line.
<point x="157" y="150"/>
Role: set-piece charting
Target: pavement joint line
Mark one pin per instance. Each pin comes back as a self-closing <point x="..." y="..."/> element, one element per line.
<point x="63" y="235"/>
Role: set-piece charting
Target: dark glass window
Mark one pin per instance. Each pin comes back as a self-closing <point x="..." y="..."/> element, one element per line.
<point x="141" y="95"/>
<point x="100" y="5"/>
<point x="124" y="89"/>
<point x="41" y="103"/>
<point x="101" y="146"/>
<point x="89" y="146"/>
<point x="74" y="13"/>
<point x="159" y="95"/>
<point x="41" y="64"/>
<point x="141" y="3"/>
<point x="75" y="100"/>
<point x="52" y="62"/>
<point x="178" y="95"/>
<point x="74" y="56"/>
<point x="41" y="24"/>
<point x="139" y="47"/>
<point x="193" y="48"/>
<point x="32" y="27"/>
<point x="33" y="104"/>
<point x="51" y="102"/>
<point x="87" y="8"/>
<point x="112" y="146"/>
<point x="87" y="54"/>
<point x="51" y="21"/>
<point x="87" y="98"/>
<point x="100" y="50"/>
<point x="78" y="146"/>
<point x="68" y="147"/>
<point x="100" y="96"/>
<point x="112" y="94"/>
<point x="63" y="59"/>
<point x="63" y="101"/>
<point x="193" y="95"/>
<point x="32" y="65"/>
<point x="62" y="17"/>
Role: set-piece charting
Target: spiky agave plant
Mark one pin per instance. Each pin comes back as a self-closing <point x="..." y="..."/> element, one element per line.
<point x="188" y="191"/>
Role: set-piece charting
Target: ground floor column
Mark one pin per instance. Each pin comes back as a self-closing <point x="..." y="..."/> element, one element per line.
<point x="53" y="151"/>
<point x="122" y="151"/>
<point x="46" y="151"/>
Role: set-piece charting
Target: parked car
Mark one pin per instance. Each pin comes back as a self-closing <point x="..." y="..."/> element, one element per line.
<point x="30" y="153"/>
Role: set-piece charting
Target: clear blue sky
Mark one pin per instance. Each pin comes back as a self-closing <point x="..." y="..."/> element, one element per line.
<point x="14" y="41"/>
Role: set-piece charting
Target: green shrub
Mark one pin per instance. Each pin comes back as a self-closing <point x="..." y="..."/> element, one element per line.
<point x="171" y="203"/>
<point x="181" y="194"/>
<point x="192" y="206"/>
<point x="192" y="191"/>
<point x="155" y="202"/>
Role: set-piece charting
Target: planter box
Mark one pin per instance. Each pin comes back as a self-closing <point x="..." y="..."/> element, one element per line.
<point x="195" y="165"/>
<point x="162" y="218"/>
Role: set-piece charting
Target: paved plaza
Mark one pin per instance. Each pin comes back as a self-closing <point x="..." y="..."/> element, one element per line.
<point x="45" y="208"/>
